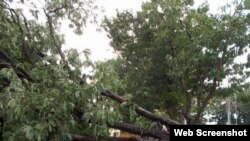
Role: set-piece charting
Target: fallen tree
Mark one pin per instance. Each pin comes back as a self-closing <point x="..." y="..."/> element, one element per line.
<point x="145" y="134"/>
<point x="141" y="111"/>
<point x="43" y="91"/>
<point x="162" y="135"/>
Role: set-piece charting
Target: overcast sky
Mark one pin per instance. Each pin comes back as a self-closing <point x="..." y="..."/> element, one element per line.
<point x="98" y="42"/>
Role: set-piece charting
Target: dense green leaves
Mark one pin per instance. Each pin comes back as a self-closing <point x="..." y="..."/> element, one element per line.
<point x="44" y="94"/>
<point x="178" y="56"/>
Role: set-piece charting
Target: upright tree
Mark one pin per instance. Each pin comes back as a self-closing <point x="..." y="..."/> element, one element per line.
<point x="175" y="57"/>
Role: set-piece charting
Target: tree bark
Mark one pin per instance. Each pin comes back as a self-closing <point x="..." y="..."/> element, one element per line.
<point x="141" y="111"/>
<point x="8" y="62"/>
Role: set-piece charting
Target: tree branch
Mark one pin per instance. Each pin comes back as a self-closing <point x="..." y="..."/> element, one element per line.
<point x="141" y="111"/>
<point x="58" y="47"/>
<point x="8" y="62"/>
<point x="188" y="103"/>
<point x="162" y="135"/>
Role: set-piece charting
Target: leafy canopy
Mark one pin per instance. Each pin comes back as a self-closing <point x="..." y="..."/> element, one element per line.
<point x="43" y="93"/>
<point x="178" y="56"/>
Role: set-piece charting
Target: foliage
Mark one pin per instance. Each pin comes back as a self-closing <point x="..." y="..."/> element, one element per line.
<point x="43" y="93"/>
<point x="177" y="56"/>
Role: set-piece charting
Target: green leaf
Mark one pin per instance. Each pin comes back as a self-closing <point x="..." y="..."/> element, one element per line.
<point x="28" y="130"/>
<point x="247" y="4"/>
<point x="153" y="125"/>
<point x="12" y="103"/>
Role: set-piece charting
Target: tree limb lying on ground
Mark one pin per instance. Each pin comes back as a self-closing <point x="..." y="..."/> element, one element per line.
<point x="141" y="111"/>
<point x="155" y="135"/>
<point x="152" y="136"/>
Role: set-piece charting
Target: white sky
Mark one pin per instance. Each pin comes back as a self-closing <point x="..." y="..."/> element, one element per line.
<point x="98" y="42"/>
